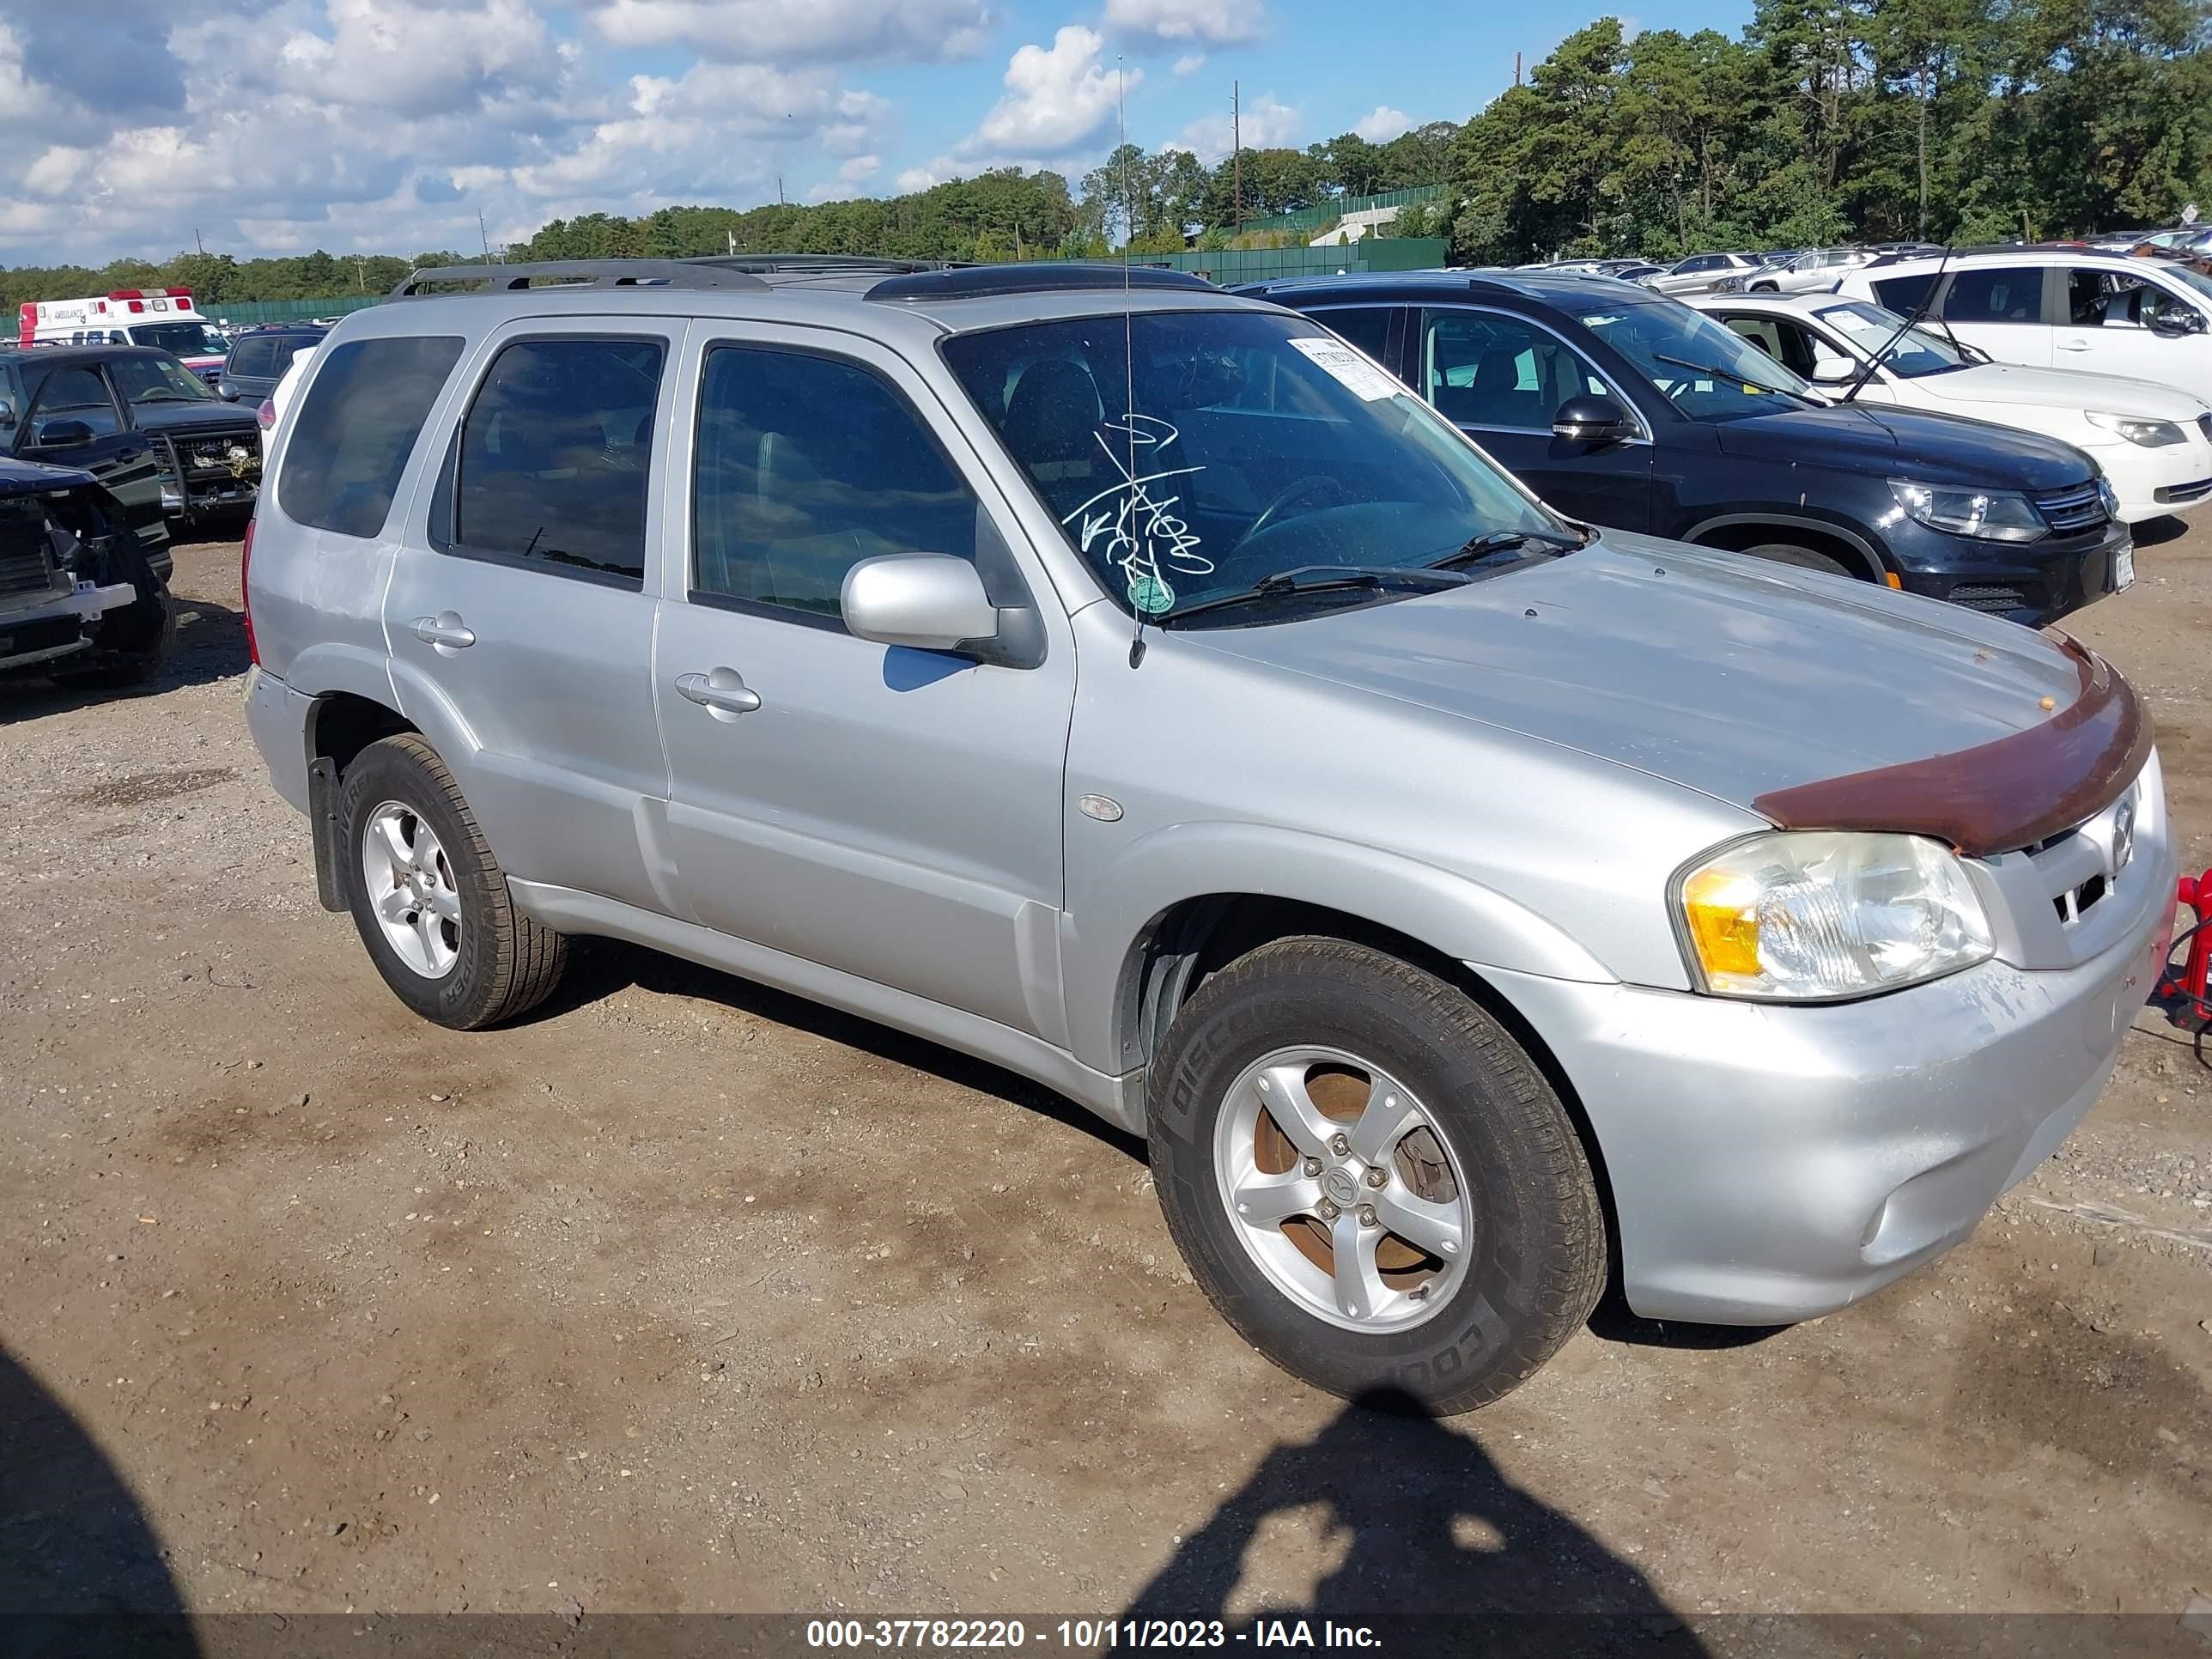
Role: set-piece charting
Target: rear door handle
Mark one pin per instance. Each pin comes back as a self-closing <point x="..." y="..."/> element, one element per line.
<point x="722" y="692"/>
<point x="444" y="630"/>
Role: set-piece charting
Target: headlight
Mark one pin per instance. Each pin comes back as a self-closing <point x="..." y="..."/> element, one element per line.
<point x="1991" y="515"/>
<point x="1728" y="285"/>
<point x="1816" y="916"/>
<point x="2151" y="435"/>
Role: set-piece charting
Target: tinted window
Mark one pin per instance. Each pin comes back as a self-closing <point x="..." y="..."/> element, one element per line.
<point x="76" y="393"/>
<point x="556" y="454"/>
<point x="283" y="348"/>
<point x="2003" y="295"/>
<point x="1481" y="368"/>
<point x="1904" y="294"/>
<point x="807" y="466"/>
<point x="353" y="435"/>
<point x="1367" y="327"/>
<point x="250" y="357"/>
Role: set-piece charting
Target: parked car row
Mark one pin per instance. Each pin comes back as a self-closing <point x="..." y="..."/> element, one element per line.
<point x="1737" y="927"/>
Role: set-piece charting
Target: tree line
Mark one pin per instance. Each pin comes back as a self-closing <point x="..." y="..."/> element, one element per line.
<point x="1823" y="121"/>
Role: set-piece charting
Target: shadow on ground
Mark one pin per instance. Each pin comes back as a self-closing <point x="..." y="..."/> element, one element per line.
<point x="81" y="1569"/>
<point x="1431" y="1541"/>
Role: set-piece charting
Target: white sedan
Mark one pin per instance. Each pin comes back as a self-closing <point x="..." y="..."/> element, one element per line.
<point x="2154" y="442"/>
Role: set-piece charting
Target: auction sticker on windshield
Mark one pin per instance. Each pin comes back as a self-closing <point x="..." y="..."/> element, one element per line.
<point x="1361" y="377"/>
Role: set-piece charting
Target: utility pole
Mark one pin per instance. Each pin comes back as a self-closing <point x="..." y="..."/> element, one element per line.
<point x="780" y="201"/>
<point x="732" y="236"/>
<point x="1236" y="153"/>
<point x="484" y="235"/>
<point x="1516" y="69"/>
<point x="198" y="244"/>
<point x="360" y="274"/>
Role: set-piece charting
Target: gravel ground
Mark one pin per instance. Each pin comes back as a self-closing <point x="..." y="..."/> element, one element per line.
<point x="685" y="1295"/>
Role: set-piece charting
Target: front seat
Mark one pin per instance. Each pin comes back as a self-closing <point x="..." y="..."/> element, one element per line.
<point x="1052" y="419"/>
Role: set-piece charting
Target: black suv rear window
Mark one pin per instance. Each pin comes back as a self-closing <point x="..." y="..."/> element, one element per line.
<point x="364" y="410"/>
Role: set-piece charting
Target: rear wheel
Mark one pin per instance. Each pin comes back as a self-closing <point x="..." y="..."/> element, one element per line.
<point x="1370" y="1180"/>
<point x="430" y="900"/>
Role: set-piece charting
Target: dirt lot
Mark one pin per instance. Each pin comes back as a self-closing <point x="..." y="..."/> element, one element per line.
<point x="684" y="1295"/>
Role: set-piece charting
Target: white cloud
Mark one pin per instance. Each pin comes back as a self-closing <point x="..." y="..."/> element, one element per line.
<point x="411" y="58"/>
<point x="1058" y="98"/>
<point x="1383" y="126"/>
<point x="796" y="30"/>
<point x="915" y="178"/>
<point x="1266" y="123"/>
<point x="1189" y="64"/>
<point x="1224" y="23"/>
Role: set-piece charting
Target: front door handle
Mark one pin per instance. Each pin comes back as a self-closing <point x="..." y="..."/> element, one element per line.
<point x="722" y="692"/>
<point x="444" y="630"/>
<point x="2073" y="345"/>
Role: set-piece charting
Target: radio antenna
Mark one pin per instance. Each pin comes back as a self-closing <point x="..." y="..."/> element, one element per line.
<point x="1129" y="337"/>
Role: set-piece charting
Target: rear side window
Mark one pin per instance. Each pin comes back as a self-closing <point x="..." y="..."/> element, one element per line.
<point x="357" y="428"/>
<point x="1367" y="327"/>
<point x="2004" y="294"/>
<point x="555" y="454"/>
<point x="1903" y="294"/>
<point x="250" y="356"/>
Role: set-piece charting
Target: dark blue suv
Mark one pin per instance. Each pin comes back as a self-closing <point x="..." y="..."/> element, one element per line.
<point x="258" y="358"/>
<point x="1624" y="408"/>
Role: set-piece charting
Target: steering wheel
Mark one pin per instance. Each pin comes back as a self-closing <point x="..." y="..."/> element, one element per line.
<point x="1283" y="498"/>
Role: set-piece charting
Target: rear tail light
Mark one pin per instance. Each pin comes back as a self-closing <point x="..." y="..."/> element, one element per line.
<point x="246" y="590"/>
<point x="266" y="415"/>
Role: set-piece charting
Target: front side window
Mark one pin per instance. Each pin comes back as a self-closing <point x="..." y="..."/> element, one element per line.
<point x="76" y="393"/>
<point x="808" y="464"/>
<point x="161" y="379"/>
<point x="1486" y="369"/>
<point x="1188" y="455"/>
<point x="2001" y="294"/>
<point x="352" y="437"/>
<point x="556" y="455"/>
<point x="1708" y="372"/>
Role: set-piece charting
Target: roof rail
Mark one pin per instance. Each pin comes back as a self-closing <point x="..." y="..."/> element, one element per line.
<point x="578" y="273"/>
<point x="983" y="281"/>
<point x="827" y="263"/>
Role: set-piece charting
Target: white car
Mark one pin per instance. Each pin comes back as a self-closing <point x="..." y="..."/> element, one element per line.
<point x="2154" y="443"/>
<point x="1706" y="273"/>
<point x="2062" y="307"/>
<point x="273" y="406"/>
<point x="1814" y="272"/>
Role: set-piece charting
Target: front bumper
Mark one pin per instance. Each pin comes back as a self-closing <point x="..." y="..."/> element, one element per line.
<point x="2034" y="585"/>
<point x="1773" y="1163"/>
<point x="59" y="626"/>
<point x="2153" y="483"/>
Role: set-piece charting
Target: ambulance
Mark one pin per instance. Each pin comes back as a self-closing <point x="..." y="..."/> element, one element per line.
<point x="163" y="317"/>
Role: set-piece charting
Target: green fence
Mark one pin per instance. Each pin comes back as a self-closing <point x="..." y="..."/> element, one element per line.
<point x="246" y="313"/>
<point x="1313" y="218"/>
<point x="1267" y="264"/>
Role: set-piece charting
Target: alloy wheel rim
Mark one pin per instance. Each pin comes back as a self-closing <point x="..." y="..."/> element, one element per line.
<point x="1343" y="1188"/>
<point x="412" y="890"/>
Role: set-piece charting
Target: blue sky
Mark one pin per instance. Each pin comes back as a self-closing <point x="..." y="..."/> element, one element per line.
<point x="274" y="126"/>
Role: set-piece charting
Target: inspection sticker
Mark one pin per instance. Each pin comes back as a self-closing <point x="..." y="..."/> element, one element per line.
<point x="1347" y="366"/>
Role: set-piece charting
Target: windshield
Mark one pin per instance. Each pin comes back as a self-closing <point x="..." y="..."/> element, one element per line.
<point x="1870" y="327"/>
<point x="1254" y="444"/>
<point x="1648" y="334"/>
<point x="185" y="339"/>
<point x="161" y="380"/>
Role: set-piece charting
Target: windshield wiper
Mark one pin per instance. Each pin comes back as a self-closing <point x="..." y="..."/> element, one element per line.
<point x="1805" y="398"/>
<point x="1326" y="579"/>
<point x="1478" y="548"/>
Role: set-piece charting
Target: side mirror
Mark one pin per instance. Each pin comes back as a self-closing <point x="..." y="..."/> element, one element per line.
<point x="926" y="601"/>
<point x="61" y="435"/>
<point x="1592" y="421"/>
<point x="226" y="390"/>
<point x="1835" y="371"/>
<point x="2175" y="321"/>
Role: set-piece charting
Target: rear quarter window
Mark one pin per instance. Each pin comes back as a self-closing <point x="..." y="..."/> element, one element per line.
<point x="1903" y="294"/>
<point x="365" y="409"/>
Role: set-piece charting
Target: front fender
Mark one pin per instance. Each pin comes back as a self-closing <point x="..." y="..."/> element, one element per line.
<point x="1115" y="909"/>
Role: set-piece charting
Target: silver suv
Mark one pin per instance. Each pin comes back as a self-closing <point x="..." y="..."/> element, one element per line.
<point x="1136" y="687"/>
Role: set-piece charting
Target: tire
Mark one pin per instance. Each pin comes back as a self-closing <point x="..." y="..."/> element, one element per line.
<point x="132" y="644"/>
<point x="1767" y="287"/>
<point x="490" y="962"/>
<point x="1533" y="1263"/>
<point x="1802" y="558"/>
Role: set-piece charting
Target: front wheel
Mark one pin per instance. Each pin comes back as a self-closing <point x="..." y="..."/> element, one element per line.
<point x="1370" y="1179"/>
